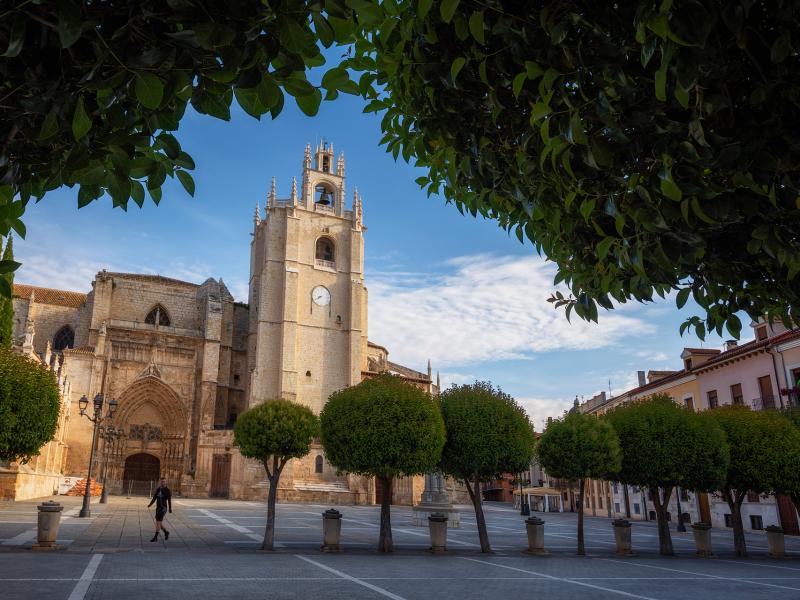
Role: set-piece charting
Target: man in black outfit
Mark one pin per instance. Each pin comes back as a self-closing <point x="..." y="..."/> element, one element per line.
<point x="163" y="500"/>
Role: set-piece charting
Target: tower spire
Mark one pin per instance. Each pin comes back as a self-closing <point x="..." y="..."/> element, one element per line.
<point x="272" y="194"/>
<point x="307" y="157"/>
<point x="429" y="369"/>
<point x="340" y="165"/>
<point x="257" y="217"/>
<point x="294" y="191"/>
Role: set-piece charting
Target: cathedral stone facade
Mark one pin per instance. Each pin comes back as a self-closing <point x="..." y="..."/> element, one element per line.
<point x="184" y="360"/>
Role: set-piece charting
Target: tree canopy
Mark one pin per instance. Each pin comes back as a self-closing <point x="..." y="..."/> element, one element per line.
<point x="643" y="147"/>
<point x="764" y="455"/>
<point x="576" y="447"/>
<point x="29" y="406"/>
<point x="383" y="428"/>
<point x="275" y="432"/>
<point x="92" y="92"/>
<point x="488" y="434"/>
<point x="665" y="445"/>
<point x="6" y="301"/>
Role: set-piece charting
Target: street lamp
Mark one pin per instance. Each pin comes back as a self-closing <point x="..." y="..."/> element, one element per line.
<point x="681" y="526"/>
<point x="524" y="508"/>
<point x="109" y="435"/>
<point x="96" y="418"/>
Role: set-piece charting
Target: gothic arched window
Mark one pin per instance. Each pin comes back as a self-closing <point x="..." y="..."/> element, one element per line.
<point x="157" y="316"/>
<point x="64" y="338"/>
<point x="323" y="194"/>
<point x="318" y="464"/>
<point x="325" y="249"/>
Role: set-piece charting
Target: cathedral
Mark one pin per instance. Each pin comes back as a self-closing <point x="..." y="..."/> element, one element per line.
<point x="183" y="360"/>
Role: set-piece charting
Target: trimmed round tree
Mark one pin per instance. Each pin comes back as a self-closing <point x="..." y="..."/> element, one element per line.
<point x="275" y="432"/>
<point x="793" y="414"/>
<point x="29" y="406"/>
<point x="383" y="428"/>
<point x="665" y="445"/>
<point x="576" y="447"/>
<point x="488" y="434"/>
<point x="764" y="457"/>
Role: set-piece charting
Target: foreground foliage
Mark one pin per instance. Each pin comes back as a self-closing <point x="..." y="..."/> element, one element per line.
<point x="576" y="447"/>
<point x="275" y="432"/>
<point x="665" y="446"/>
<point x="383" y="428"/>
<point x="488" y="434"/>
<point x="29" y="406"/>
<point x="644" y="147"/>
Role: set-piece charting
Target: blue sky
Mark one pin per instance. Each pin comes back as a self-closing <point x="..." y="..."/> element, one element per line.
<point x="443" y="286"/>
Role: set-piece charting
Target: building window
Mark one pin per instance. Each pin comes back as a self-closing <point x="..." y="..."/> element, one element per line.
<point x="728" y="520"/>
<point x="713" y="401"/>
<point x="323" y="195"/>
<point x="326" y="164"/>
<point x="324" y="250"/>
<point x="158" y="315"/>
<point x="689" y="402"/>
<point x="687" y="364"/>
<point x="736" y="394"/>
<point x="637" y="510"/>
<point x="318" y="464"/>
<point x="64" y="338"/>
<point x="614" y="487"/>
<point x="600" y="501"/>
<point x="752" y="496"/>
<point x="761" y="333"/>
<point x="616" y="507"/>
<point x="756" y="522"/>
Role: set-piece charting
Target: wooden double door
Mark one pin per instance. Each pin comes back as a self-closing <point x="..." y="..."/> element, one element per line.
<point x="220" y="476"/>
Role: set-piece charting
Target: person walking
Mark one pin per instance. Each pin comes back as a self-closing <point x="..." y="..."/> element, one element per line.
<point x="163" y="501"/>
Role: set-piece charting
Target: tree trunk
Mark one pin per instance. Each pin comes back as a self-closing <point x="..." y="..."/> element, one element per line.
<point x="581" y="490"/>
<point x="664" y="536"/>
<point x="385" y="539"/>
<point x="269" y="531"/>
<point x="627" y="501"/>
<point x="475" y="496"/>
<point x="734" y="500"/>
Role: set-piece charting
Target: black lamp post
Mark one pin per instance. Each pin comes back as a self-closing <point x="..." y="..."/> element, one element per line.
<point x="109" y="435"/>
<point x="96" y="418"/>
<point x="681" y="526"/>
<point x="524" y="508"/>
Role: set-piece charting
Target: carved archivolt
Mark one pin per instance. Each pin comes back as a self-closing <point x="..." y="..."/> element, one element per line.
<point x="151" y="390"/>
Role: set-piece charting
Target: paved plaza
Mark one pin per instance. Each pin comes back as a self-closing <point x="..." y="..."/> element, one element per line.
<point x="213" y="552"/>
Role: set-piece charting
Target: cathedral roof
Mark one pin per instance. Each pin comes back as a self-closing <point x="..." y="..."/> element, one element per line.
<point x="153" y="278"/>
<point x="49" y="295"/>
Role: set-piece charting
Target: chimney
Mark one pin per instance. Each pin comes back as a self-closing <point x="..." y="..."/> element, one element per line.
<point x="641" y="377"/>
<point x="730" y="345"/>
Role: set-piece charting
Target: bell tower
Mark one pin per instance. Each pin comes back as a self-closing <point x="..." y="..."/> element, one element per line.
<point x="308" y="303"/>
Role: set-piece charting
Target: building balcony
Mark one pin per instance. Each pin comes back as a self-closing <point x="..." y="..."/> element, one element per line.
<point x="764" y="403"/>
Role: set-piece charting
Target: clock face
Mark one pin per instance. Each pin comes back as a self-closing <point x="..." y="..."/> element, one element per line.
<point x="321" y="296"/>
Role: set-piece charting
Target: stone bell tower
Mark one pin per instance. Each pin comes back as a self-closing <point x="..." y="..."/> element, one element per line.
<point x="308" y="303"/>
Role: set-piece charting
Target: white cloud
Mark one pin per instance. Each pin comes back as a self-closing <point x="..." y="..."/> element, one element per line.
<point x="539" y="409"/>
<point x="482" y="308"/>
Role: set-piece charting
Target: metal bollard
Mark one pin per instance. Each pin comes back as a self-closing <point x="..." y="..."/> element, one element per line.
<point x="702" y="539"/>
<point x="535" y="529"/>
<point x="437" y="525"/>
<point x="775" y="541"/>
<point x="331" y="530"/>
<point x="622" y="537"/>
<point x="47" y="525"/>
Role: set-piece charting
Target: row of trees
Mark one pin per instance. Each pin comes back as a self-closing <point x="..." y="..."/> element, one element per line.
<point x="385" y="428"/>
<point x="660" y="446"/>
<point x="610" y="138"/>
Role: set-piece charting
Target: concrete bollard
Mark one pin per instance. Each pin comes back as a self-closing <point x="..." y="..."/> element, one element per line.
<point x="535" y="528"/>
<point x="777" y="546"/>
<point x="622" y="537"/>
<point x="702" y="539"/>
<point x="331" y="530"/>
<point x="437" y="524"/>
<point x="48" y="521"/>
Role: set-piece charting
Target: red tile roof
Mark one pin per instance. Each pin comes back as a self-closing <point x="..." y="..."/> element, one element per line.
<point x="49" y="295"/>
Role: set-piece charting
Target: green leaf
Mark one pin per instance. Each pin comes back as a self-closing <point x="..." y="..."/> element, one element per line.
<point x="137" y="192"/>
<point x="186" y="180"/>
<point x="80" y="121"/>
<point x="457" y="65"/>
<point x="681" y="95"/>
<point x="423" y="7"/>
<point x="587" y="206"/>
<point x="519" y="81"/>
<point x="17" y="38"/>
<point x="7" y="266"/>
<point x="576" y="129"/>
<point x="447" y="9"/>
<point x="661" y="84"/>
<point x="309" y="103"/>
<point x="781" y="48"/>
<point x="49" y="127"/>
<point x="69" y="23"/>
<point x="698" y="210"/>
<point x="476" y="26"/>
<point x="734" y="326"/>
<point x="682" y="297"/>
<point x="149" y="89"/>
<point x="603" y="247"/>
